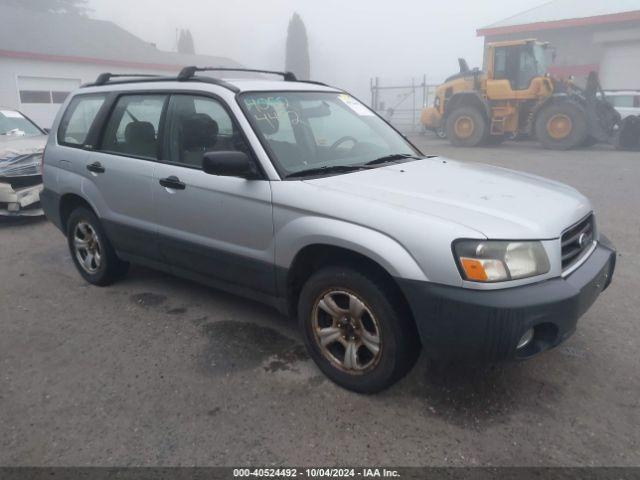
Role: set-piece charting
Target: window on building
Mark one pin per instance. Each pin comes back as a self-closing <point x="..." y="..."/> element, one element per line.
<point x="35" y="96"/>
<point x="45" y="90"/>
<point x="59" y="97"/>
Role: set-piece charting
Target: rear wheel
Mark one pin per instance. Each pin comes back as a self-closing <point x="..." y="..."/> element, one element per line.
<point x="358" y="336"/>
<point x="466" y="127"/>
<point x="561" y="126"/>
<point x="91" y="250"/>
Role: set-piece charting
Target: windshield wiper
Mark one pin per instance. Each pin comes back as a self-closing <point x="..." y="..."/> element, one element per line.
<point x="391" y="158"/>
<point x="326" y="169"/>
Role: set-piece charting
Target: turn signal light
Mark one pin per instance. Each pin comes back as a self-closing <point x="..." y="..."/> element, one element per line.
<point x="474" y="270"/>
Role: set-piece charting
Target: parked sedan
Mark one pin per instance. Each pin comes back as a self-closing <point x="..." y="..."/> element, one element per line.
<point x="21" y="145"/>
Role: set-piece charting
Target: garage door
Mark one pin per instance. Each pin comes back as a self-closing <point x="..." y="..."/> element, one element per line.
<point x="40" y="97"/>
<point x="620" y="69"/>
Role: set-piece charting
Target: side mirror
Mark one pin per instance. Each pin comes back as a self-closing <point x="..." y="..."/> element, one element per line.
<point x="230" y="164"/>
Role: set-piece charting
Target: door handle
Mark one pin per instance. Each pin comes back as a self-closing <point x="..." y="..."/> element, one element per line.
<point x="172" y="182"/>
<point x="95" y="167"/>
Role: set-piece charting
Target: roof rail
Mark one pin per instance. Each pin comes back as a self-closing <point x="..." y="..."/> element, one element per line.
<point x="188" y="72"/>
<point x="104" y="78"/>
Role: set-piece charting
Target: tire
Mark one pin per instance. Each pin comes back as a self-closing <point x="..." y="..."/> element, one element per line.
<point x="440" y="133"/>
<point x="466" y="127"/>
<point x="388" y="326"/>
<point x="86" y="237"/>
<point x="568" y="120"/>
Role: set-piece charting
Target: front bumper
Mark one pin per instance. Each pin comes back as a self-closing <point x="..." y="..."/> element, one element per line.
<point x="486" y="325"/>
<point x="24" y="201"/>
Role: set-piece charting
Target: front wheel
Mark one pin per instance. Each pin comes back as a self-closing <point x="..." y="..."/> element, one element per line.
<point x="466" y="127"/>
<point x="359" y="336"/>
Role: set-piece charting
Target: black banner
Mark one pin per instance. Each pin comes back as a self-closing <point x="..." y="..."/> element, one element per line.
<point x="283" y="473"/>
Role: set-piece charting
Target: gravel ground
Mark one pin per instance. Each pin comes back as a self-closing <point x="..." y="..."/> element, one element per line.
<point x="160" y="371"/>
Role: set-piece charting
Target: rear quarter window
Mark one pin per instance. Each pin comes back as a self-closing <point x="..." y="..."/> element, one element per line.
<point x="78" y="119"/>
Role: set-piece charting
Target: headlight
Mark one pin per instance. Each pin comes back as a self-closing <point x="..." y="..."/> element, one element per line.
<point x="499" y="260"/>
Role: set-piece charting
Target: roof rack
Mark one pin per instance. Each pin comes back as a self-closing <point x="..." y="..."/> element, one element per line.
<point x="188" y="72"/>
<point x="104" y="78"/>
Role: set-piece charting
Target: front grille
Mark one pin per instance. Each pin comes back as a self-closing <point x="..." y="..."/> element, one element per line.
<point x="576" y="240"/>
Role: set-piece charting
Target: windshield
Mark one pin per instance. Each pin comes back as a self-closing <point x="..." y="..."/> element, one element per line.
<point x="14" y="123"/>
<point x="317" y="130"/>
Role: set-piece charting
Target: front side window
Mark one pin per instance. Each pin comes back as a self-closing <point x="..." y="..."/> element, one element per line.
<point x="78" y="118"/>
<point x="306" y="130"/>
<point x="133" y="126"/>
<point x="14" y="123"/>
<point x="197" y="125"/>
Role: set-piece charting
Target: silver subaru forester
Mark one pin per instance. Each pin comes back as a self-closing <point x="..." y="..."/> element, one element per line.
<point x="298" y="195"/>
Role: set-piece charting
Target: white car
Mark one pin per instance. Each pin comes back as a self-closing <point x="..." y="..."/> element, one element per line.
<point x="21" y="145"/>
<point x="626" y="102"/>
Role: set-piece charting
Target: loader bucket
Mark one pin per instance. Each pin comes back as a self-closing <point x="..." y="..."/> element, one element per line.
<point x="628" y="137"/>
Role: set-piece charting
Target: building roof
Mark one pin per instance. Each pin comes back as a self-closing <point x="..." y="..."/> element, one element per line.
<point x="80" y="39"/>
<point x="566" y="13"/>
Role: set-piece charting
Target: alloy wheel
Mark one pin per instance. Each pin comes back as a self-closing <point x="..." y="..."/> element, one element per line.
<point x="346" y="331"/>
<point x="88" y="250"/>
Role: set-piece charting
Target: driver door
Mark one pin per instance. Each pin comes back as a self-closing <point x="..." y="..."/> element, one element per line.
<point x="213" y="227"/>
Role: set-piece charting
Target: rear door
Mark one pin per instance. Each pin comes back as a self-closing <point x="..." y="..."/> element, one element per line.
<point x="212" y="226"/>
<point x="121" y="172"/>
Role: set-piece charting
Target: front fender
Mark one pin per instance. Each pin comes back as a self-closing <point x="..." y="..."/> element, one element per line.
<point x="302" y="232"/>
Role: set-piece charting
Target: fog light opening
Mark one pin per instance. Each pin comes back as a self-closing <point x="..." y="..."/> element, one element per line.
<point x="525" y="339"/>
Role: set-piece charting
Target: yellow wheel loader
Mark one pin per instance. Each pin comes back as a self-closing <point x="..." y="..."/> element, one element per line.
<point x="516" y="96"/>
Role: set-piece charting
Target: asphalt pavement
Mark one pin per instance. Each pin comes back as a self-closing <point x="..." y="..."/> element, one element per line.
<point x="156" y="370"/>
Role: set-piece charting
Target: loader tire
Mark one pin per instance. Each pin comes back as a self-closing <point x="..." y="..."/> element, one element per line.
<point x="628" y="137"/>
<point x="561" y="126"/>
<point x="466" y="127"/>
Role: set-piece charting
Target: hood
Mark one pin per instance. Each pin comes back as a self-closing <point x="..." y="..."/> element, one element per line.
<point x="20" y="155"/>
<point x="499" y="203"/>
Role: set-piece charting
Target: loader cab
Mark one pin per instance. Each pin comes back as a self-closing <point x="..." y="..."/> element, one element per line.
<point x="514" y="67"/>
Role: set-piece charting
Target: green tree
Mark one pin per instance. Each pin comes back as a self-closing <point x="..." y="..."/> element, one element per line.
<point x="55" y="6"/>
<point x="297" y="54"/>
<point x="185" y="42"/>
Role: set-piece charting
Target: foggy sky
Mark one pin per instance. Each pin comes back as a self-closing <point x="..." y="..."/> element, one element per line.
<point x="350" y="40"/>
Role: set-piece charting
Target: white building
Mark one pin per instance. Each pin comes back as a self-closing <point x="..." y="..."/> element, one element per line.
<point x="44" y="56"/>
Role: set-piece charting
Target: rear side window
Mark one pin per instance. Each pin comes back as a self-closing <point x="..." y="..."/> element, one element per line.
<point x="133" y="126"/>
<point x="77" y="120"/>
